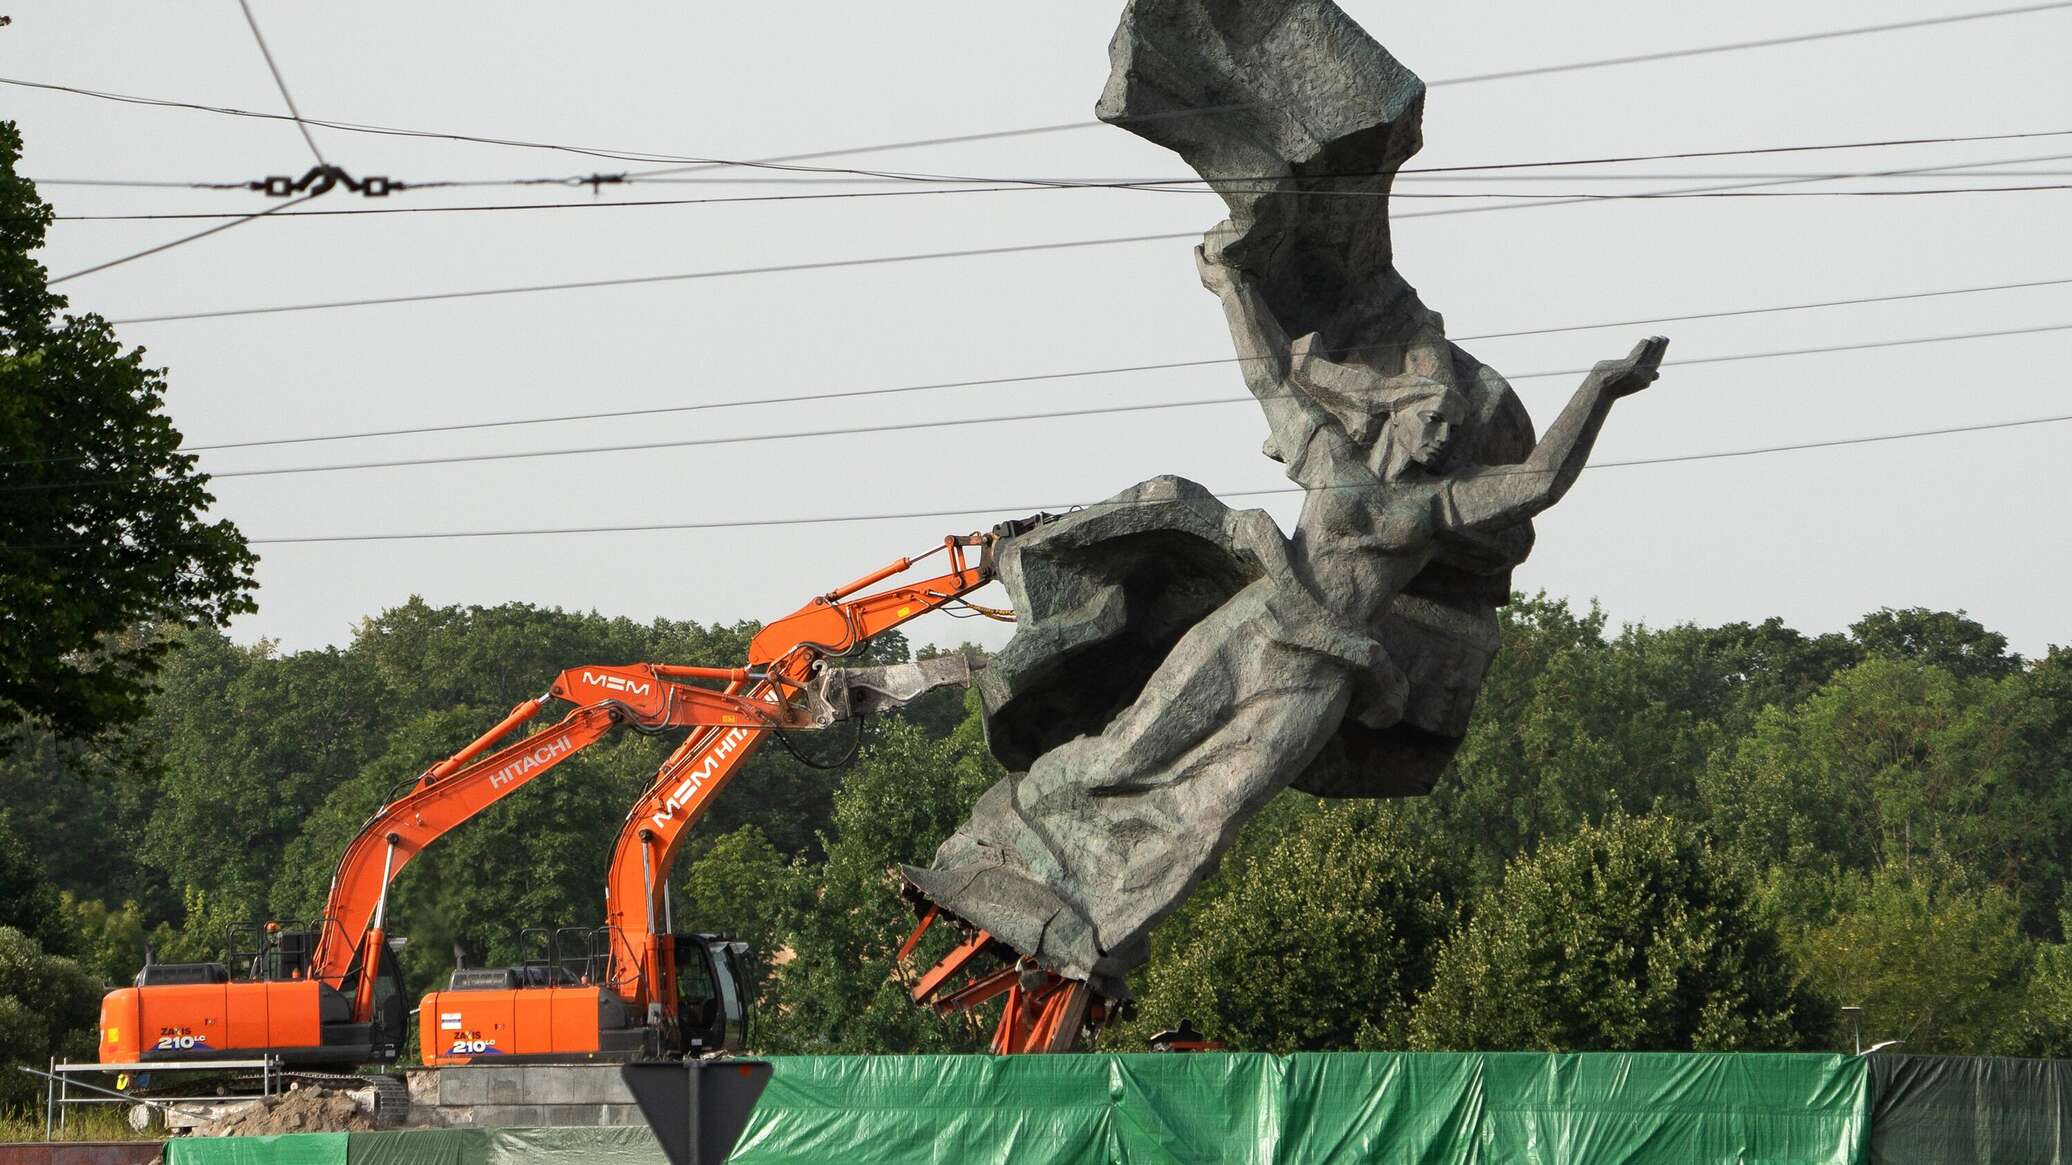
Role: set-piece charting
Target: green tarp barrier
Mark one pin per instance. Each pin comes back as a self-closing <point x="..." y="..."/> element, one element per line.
<point x="1494" y="1109"/>
<point x="1966" y="1110"/>
<point x="1574" y="1109"/>
<point x="285" y="1149"/>
<point x="1527" y="1108"/>
<point x="418" y="1147"/>
<point x="606" y="1146"/>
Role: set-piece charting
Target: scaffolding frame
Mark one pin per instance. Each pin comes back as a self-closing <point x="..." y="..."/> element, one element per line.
<point x="61" y="1081"/>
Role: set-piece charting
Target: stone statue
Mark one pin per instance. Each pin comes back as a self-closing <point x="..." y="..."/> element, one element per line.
<point x="1179" y="662"/>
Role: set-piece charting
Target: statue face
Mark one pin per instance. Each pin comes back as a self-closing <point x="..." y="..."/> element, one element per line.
<point x="1426" y="430"/>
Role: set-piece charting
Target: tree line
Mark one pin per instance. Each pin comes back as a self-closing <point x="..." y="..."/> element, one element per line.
<point x="1678" y="838"/>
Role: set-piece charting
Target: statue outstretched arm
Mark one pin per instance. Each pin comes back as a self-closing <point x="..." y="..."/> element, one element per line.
<point x="1262" y="349"/>
<point x="1504" y="495"/>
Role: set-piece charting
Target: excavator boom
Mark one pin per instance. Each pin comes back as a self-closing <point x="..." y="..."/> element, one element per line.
<point x="339" y="1000"/>
<point x="660" y="993"/>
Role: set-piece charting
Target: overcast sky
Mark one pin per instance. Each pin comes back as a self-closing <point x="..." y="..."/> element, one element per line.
<point x="1975" y="521"/>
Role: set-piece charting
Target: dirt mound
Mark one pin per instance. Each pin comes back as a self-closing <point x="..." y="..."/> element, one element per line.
<point x="303" y="1110"/>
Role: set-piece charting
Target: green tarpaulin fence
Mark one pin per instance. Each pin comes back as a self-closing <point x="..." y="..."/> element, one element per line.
<point x="1513" y="1108"/>
<point x="1510" y="1107"/>
<point x="286" y="1149"/>
<point x="1969" y="1110"/>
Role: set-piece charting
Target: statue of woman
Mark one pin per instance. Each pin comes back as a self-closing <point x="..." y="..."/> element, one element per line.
<point x="1077" y="859"/>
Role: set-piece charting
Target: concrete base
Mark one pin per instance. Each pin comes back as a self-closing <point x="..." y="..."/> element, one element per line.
<point x="520" y="1096"/>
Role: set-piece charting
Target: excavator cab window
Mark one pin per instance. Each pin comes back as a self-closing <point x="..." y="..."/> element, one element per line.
<point x="391" y="1003"/>
<point x="168" y="974"/>
<point x="698" y="998"/>
<point x="710" y="1009"/>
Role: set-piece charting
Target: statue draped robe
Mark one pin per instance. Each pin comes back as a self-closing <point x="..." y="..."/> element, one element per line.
<point x="1178" y="662"/>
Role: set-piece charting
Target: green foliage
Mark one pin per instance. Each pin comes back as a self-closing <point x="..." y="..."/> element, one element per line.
<point x="1636" y="934"/>
<point x="2046" y="1020"/>
<point x="895" y="806"/>
<point x="742" y="886"/>
<point x="1932" y="959"/>
<point x="252" y="742"/>
<point x="101" y="534"/>
<point x="28" y="901"/>
<point x="1571" y="725"/>
<point x="79" y="805"/>
<point x="48" y="1006"/>
<point x="1944" y="639"/>
<point x="1322" y="940"/>
<point x="110" y="942"/>
<point x="1894" y="761"/>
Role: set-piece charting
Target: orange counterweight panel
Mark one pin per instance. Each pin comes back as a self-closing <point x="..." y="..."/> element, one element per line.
<point x="464" y="1027"/>
<point x="576" y="1018"/>
<point x="293" y="1011"/>
<point x="120" y="1027"/>
<point x="188" y="1021"/>
<point x="183" y="1018"/>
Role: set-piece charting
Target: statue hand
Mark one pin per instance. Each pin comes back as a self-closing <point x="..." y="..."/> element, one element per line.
<point x="1214" y="275"/>
<point x="1217" y="272"/>
<point x="1617" y="378"/>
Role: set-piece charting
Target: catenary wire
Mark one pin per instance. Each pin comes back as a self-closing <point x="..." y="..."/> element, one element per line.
<point x="942" y="190"/>
<point x="802" y="398"/>
<point x="1466" y="80"/>
<point x="961" y="422"/>
<point x="833" y="264"/>
<point x="1767" y="42"/>
<point x="764" y="523"/>
<point x="1800" y="38"/>
<point x="1418" y="173"/>
<point x="281" y="82"/>
<point x="184" y="239"/>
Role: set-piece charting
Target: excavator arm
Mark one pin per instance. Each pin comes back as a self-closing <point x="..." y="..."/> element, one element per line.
<point x="647" y="696"/>
<point x="794" y="679"/>
<point x="792" y="659"/>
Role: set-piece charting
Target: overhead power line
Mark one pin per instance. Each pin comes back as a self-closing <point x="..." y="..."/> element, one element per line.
<point x="1076" y="374"/>
<point x="767" y="523"/>
<point x="820" y="397"/>
<point x="833" y="176"/>
<point x="239" y="220"/>
<point x="1765" y="43"/>
<point x="679" y="161"/>
<point x="964" y="422"/>
<point x="833" y="264"/>
<point x="1062" y="414"/>
<point x="281" y="82"/>
<point x="1575" y="66"/>
<point x="1566" y="196"/>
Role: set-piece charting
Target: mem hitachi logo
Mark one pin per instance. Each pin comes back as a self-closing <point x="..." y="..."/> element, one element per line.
<point x="700" y="773"/>
<point x="532" y="762"/>
<point x="612" y="683"/>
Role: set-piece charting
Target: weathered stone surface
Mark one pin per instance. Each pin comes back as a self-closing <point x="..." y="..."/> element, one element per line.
<point x="1178" y="662"/>
<point x="1103" y="594"/>
<point x="1310" y="119"/>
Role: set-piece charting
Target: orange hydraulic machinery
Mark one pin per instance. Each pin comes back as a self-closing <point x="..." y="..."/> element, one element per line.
<point x="654" y="993"/>
<point x="328" y="993"/>
<point x="1042" y="1011"/>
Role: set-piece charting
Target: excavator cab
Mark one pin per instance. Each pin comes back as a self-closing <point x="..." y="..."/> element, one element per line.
<point x="712" y="1015"/>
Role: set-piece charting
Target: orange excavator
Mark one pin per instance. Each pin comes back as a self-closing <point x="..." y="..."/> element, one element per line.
<point x="328" y="993"/>
<point x="641" y="991"/>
